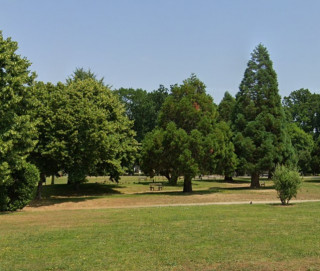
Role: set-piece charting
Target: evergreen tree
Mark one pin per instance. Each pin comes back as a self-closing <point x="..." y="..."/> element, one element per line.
<point x="81" y="74"/>
<point x="188" y="140"/>
<point x="226" y="107"/>
<point x="230" y="161"/>
<point x="261" y="139"/>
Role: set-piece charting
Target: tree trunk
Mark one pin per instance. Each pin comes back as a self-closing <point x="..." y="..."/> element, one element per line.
<point x="269" y="175"/>
<point x="173" y="180"/>
<point x="39" y="188"/>
<point x="255" y="180"/>
<point x="52" y="179"/>
<point x="187" y="184"/>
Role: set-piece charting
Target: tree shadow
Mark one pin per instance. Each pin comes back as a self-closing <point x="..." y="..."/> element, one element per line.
<point x="315" y="180"/>
<point x="210" y="190"/>
<point x="86" y="189"/>
<point x="234" y="181"/>
<point x="61" y="193"/>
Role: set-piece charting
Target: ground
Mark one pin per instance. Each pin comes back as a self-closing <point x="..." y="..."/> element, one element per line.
<point x="132" y="191"/>
<point x="91" y="230"/>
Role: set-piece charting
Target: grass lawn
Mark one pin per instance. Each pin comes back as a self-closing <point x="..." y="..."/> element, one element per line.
<point x="101" y="193"/>
<point x="232" y="237"/>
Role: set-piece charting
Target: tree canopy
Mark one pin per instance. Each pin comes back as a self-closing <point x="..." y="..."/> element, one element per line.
<point x="303" y="108"/>
<point x="142" y="107"/>
<point x="188" y="140"/>
<point x="83" y="130"/>
<point x="17" y="128"/>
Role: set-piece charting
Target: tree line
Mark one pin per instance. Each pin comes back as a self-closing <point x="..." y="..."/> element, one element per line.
<point x="81" y="127"/>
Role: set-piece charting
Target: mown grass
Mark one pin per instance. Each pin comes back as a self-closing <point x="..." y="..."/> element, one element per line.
<point x="234" y="237"/>
<point x="133" y="185"/>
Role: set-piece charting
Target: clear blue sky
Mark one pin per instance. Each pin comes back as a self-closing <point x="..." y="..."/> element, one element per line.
<point x="144" y="43"/>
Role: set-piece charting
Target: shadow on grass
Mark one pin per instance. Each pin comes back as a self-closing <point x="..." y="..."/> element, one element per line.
<point x="60" y="193"/>
<point x="87" y="189"/>
<point x="315" y="180"/>
<point x="211" y="190"/>
<point x="235" y="181"/>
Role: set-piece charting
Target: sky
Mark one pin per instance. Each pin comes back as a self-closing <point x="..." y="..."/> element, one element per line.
<point x="145" y="43"/>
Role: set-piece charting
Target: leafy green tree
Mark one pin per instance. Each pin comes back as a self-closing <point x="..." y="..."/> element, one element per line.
<point x="158" y="97"/>
<point x="303" y="144"/>
<point x="48" y="153"/>
<point x="142" y="107"/>
<point x="261" y="139"/>
<point x="303" y="108"/>
<point x="315" y="161"/>
<point x="17" y="128"/>
<point x="188" y="141"/>
<point x="83" y="131"/>
<point x="287" y="183"/>
<point x="158" y="158"/>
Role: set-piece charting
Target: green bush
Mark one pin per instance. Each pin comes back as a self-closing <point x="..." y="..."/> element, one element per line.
<point x="19" y="188"/>
<point x="287" y="183"/>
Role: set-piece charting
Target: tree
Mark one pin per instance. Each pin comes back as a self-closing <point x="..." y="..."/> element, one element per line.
<point x="162" y="151"/>
<point x="188" y="140"/>
<point x="17" y="128"/>
<point x="142" y="107"/>
<point x="261" y="139"/>
<point x="83" y="131"/>
<point x="230" y="161"/>
<point x="286" y="182"/>
<point x="48" y="154"/>
<point x="81" y="74"/>
<point x="315" y="161"/>
<point x="303" y="108"/>
<point x="226" y="107"/>
<point x="303" y="145"/>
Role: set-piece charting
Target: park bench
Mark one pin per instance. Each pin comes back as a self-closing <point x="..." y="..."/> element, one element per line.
<point x="155" y="185"/>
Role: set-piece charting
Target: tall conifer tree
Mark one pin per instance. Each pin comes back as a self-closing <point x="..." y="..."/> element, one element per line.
<point x="261" y="139"/>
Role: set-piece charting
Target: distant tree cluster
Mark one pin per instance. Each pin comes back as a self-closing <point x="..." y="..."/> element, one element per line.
<point x="81" y="127"/>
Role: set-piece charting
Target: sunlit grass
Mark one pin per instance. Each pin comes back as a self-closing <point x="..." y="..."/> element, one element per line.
<point x="235" y="237"/>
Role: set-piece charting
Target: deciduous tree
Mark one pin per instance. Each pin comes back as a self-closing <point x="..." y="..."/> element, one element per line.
<point x="17" y="128"/>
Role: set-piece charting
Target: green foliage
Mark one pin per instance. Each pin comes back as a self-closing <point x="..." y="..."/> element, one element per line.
<point x="17" y="192"/>
<point x="287" y="183"/>
<point x="17" y="127"/>
<point x="83" y="130"/>
<point x="315" y="162"/>
<point x="142" y="107"/>
<point x="226" y="107"/>
<point x="303" y="108"/>
<point x="303" y="145"/>
<point x="188" y="140"/>
<point x="81" y="74"/>
<point x="261" y="139"/>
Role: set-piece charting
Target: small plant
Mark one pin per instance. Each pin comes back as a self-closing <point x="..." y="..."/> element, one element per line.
<point x="287" y="183"/>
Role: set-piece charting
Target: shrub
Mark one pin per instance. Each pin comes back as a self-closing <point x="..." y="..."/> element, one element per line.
<point x="19" y="189"/>
<point x="287" y="183"/>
